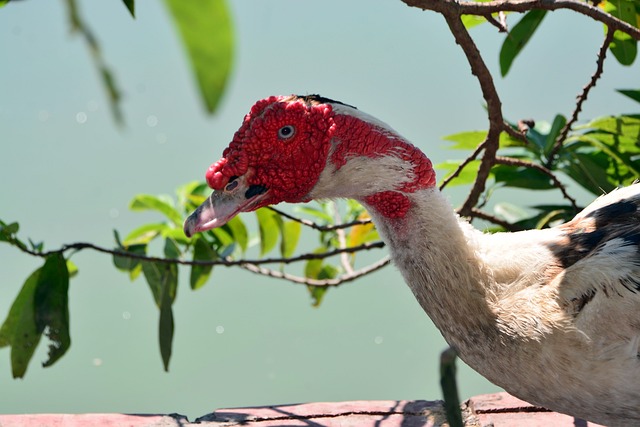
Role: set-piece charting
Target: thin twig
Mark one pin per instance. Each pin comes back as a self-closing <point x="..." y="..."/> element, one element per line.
<point x="226" y="262"/>
<point x="493" y="21"/>
<point x="510" y="161"/>
<point x="315" y="226"/>
<point x="582" y="97"/>
<point x="514" y="133"/>
<point x="477" y="213"/>
<point x="349" y="277"/>
<point x="462" y="165"/>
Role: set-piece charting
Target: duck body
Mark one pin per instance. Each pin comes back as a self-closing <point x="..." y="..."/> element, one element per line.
<point x="552" y="316"/>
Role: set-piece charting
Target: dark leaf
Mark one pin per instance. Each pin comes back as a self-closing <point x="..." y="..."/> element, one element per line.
<point x="165" y="328"/>
<point x="19" y="329"/>
<point x="126" y="263"/>
<point x="588" y="170"/>
<point x="202" y="251"/>
<point x="206" y="31"/>
<point x="171" y="249"/>
<point x="161" y="277"/>
<point x="521" y="177"/>
<point x="131" y="6"/>
<point x="518" y="38"/>
<point x="450" y="388"/>
<point x="317" y="293"/>
<point x="631" y="93"/>
<point x="558" y="123"/>
<point x="52" y="306"/>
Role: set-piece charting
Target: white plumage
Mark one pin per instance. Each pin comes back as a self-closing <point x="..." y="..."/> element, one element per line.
<point x="552" y="316"/>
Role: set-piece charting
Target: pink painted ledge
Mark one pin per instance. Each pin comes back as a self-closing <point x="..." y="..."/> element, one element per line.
<point x="498" y="410"/>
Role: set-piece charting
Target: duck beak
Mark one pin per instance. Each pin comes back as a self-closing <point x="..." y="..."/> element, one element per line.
<point x="223" y="205"/>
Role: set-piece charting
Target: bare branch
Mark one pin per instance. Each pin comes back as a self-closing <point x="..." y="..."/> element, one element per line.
<point x="462" y="165"/>
<point x="477" y="213"/>
<point x="500" y="25"/>
<point x="226" y="262"/>
<point x="490" y="95"/>
<point x="582" y="97"/>
<point x="315" y="226"/>
<point x="510" y="161"/>
<point x="349" y="277"/>
<point x="485" y="8"/>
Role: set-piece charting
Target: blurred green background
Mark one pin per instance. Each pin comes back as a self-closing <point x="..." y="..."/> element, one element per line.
<point x="67" y="173"/>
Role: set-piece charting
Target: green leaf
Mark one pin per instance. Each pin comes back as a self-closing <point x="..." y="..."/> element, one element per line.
<point x="518" y="37"/>
<point x="521" y="177"/>
<point x="72" y="268"/>
<point x="206" y="31"/>
<point x="143" y="202"/>
<point x="41" y="306"/>
<point x="321" y="215"/>
<point x="52" y="306"/>
<point x="171" y="249"/>
<point x="510" y="212"/>
<point x="470" y="21"/>
<point x="623" y="46"/>
<point x="200" y="273"/>
<point x="466" y="176"/>
<point x="313" y="267"/>
<point x="268" y="227"/>
<point x="589" y="170"/>
<point x="144" y="234"/>
<point x="631" y="93"/>
<point x="131" y="6"/>
<point x="3" y="3"/>
<point x="317" y="293"/>
<point x="125" y="263"/>
<point x="449" y="387"/>
<point x="290" y="236"/>
<point x="9" y="229"/>
<point x="165" y="328"/>
<point x="466" y="140"/>
<point x="239" y="232"/>
<point x="558" y="123"/>
<point x="161" y="277"/>
<point x="19" y="329"/>
<point x="621" y="125"/>
<point x="327" y="271"/>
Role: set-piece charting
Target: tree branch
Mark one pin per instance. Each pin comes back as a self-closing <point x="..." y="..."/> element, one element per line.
<point x="349" y="277"/>
<point x="315" y="226"/>
<point x="226" y="262"/>
<point x="482" y="9"/>
<point x="490" y="95"/>
<point x="510" y="161"/>
<point x="582" y="97"/>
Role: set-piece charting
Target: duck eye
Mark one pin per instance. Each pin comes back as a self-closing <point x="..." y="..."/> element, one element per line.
<point x="286" y="132"/>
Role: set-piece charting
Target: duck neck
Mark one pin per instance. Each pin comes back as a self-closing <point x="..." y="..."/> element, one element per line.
<point x="434" y="251"/>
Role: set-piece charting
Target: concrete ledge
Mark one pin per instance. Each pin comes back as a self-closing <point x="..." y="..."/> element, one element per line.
<point x="499" y="410"/>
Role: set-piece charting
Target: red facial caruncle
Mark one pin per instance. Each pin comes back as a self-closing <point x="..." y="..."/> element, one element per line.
<point x="282" y="146"/>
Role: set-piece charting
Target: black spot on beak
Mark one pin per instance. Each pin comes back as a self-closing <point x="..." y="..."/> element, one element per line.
<point x="255" y="190"/>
